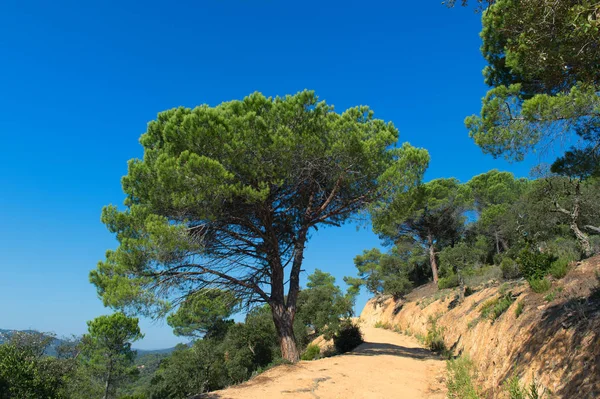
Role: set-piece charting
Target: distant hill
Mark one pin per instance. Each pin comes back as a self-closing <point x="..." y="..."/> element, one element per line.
<point x="56" y="342"/>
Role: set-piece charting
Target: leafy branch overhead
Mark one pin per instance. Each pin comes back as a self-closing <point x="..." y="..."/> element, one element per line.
<point x="543" y="71"/>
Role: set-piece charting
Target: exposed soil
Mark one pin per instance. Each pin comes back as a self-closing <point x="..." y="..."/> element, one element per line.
<point x="555" y="340"/>
<point x="387" y="365"/>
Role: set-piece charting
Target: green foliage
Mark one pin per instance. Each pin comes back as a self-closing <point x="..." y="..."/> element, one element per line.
<point x="540" y="285"/>
<point x="322" y="305"/>
<point x="430" y="216"/>
<point x="190" y="371"/>
<point x="494" y="308"/>
<point x="462" y="375"/>
<point x="450" y="281"/>
<point x="460" y="258"/>
<point x="544" y="87"/>
<point x="384" y="325"/>
<point x="565" y="248"/>
<point x="26" y="373"/>
<point x="519" y="309"/>
<point x="514" y="390"/>
<point x="559" y="268"/>
<point x="387" y="273"/>
<point x="347" y="338"/>
<point x="595" y="244"/>
<point x="107" y="353"/>
<point x="434" y="339"/>
<point x="311" y="352"/>
<point x="204" y="313"/>
<point x="225" y="197"/>
<point x="534" y="264"/>
<point x="510" y="268"/>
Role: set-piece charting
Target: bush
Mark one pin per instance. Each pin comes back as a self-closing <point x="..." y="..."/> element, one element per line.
<point x="461" y="376"/>
<point x="347" y="338"/>
<point x="595" y="244"/>
<point x="450" y="281"/>
<point x="534" y="264"/>
<point x="566" y="248"/>
<point x="513" y="388"/>
<point x="435" y="338"/>
<point x="494" y="308"/>
<point x="397" y="286"/>
<point x="312" y="352"/>
<point x="559" y="268"/>
<point x="476" y="277"/>
<point x="510" y="268"/>
<point x="539" y="285"/>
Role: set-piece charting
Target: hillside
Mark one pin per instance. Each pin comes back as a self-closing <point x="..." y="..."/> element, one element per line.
<point x="5" y="335"/>
<point x="556" y="338"/>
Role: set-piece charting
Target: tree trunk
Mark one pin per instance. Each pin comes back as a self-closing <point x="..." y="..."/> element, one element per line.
<point x="461" y="291"/>
<point x="434" y="269"/>
<point x="284" y="323"/>
<point x="108" y="378"/>
<point x="497" y="242"/>
<point x="583" y="239"/>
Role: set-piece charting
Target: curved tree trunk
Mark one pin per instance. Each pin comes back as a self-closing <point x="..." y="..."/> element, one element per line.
<point x="583" y="239"/>
<point x="284" y="324"/>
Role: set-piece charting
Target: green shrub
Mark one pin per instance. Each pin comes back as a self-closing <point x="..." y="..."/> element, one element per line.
<point x="595" y="244"/>
<point x="534" y="264"/>
<point x="476" y="277"/>
<point x="461" y="377"/>
<point x="513" y="388"/>
<point x="450" y="281"/>
<point x="347" y="338"/>
<point x="519" y="309"/>
<point x="384" y="325"/>
<point x="550" y="297"/>
<point x="312" y="352"/>
<point x="510" y="269"/>
<point x="434" y="339"/>
<point x="559" y="268"/>
<point x="397" y="285"/>
<point x="539" y="285"/>
<point x="565" y="248"/>
<point x="493" y="308"/>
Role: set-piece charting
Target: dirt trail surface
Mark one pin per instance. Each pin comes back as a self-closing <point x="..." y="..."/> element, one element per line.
<point x="387" y="365"/>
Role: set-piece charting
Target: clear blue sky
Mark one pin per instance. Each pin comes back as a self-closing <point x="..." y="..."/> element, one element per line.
<point x="79" y="80"/>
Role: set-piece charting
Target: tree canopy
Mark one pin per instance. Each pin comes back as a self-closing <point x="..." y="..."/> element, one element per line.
<point x="226" y="197"/>
<point x="430" y="214"/>
<point x="542" y="66"/>
<point x="107" y="350"/>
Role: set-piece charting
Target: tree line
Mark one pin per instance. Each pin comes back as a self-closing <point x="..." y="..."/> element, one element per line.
<point x="222" y="352"/>
<point x="446" y="231"/>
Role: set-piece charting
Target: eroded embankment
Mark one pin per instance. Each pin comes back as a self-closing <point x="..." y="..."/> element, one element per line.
<point x="556" y="338"/>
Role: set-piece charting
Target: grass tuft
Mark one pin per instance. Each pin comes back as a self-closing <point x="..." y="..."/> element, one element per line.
<point x="461" y="376"/>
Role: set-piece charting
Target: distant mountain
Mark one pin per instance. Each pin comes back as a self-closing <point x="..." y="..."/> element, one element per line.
<point x="50" y="351"/>
<point x="56" y="342"/>
<point x="166" y="351"/>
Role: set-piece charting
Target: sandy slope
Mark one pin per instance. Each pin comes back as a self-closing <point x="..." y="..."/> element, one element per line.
<point x="388" y="365"/>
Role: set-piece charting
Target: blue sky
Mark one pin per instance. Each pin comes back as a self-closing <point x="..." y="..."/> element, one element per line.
<point x="80" y="80"/>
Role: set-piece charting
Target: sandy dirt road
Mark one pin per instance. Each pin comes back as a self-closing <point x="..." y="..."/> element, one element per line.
<point x="387" y="365"/>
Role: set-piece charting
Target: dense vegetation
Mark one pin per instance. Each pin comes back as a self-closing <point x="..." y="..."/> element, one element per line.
<point x="491" y="226"/>
<point x="101" y="364"/>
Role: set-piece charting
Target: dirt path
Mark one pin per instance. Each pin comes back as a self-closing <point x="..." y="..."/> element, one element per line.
<point x="387" y="365"/>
